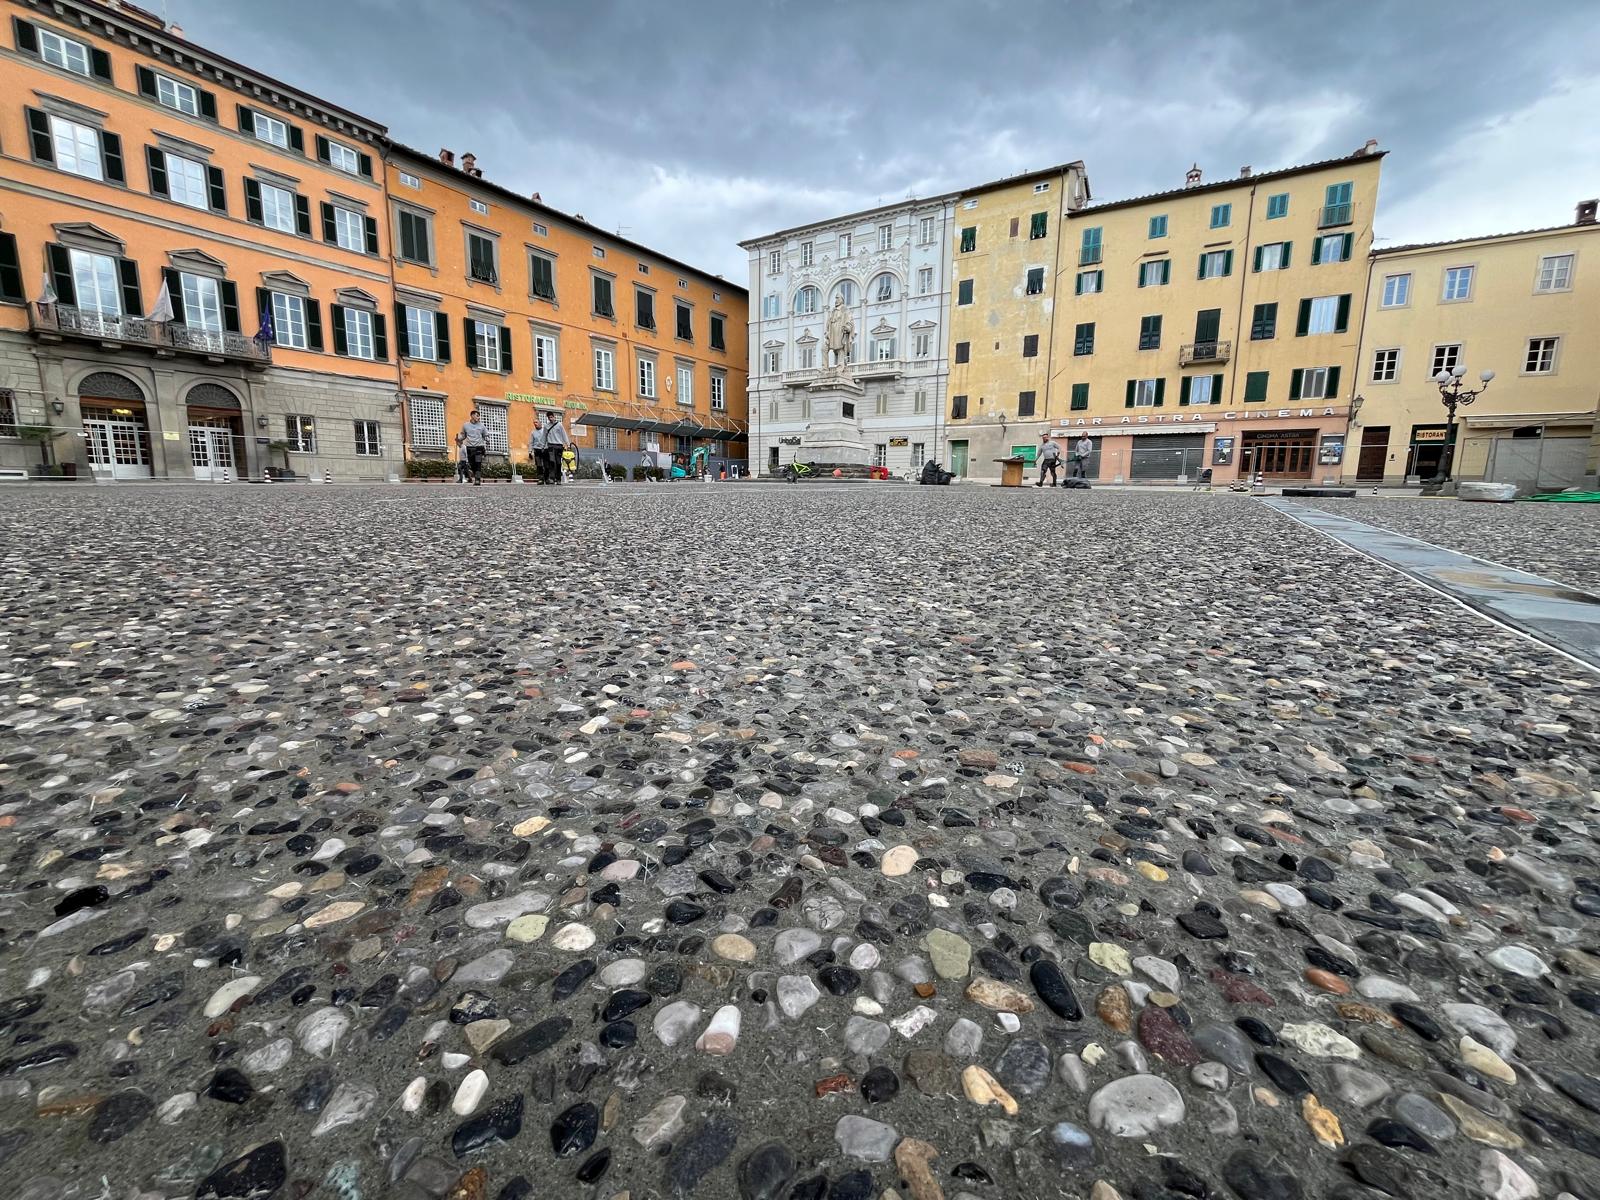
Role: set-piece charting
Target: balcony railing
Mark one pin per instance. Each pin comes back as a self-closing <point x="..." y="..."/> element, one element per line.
<point x="1204" y="352"/>
<point x="880" y="368"/>
<point x="62" y="320"/>
<point x="800" y="375"/>
<point x="1334" y="214"/>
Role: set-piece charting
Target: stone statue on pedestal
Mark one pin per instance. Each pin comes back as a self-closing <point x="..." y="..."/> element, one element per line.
<point x="841" y="334"/>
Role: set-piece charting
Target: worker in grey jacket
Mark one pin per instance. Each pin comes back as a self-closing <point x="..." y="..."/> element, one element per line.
<point x="556" y="440"/>
<point x="537" y="450"/>
<point x="475" y="440"/>
<point x="1049" y="460"/>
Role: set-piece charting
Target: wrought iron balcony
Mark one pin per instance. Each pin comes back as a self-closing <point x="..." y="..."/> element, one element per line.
<point x="1204" y="352"/>
<point x="1334" y="214"/>
<point x="57" y="321"/>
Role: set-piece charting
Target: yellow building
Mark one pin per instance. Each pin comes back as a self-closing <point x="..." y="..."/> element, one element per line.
<point x="1007" y="259"/>
<point x="1215" y="326"/>
<point x="1523" y="305"/>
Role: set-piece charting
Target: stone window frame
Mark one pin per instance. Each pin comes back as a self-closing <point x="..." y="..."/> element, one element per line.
<point x="537" y="330"/>
<point x="598" y="342"/>
<point x="422" y="212"/>
<point x="611" y="278"/>
<point x="679" y="363"/>
<point x="554" y="258"/>
<point x="643" y="354"/>
<point x="469" y="230"/>
<point x="679" y="302"/>
<point x="653" y="293"/>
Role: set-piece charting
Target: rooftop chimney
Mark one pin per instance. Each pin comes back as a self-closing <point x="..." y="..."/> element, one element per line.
<point x="469" y="164"/>
<point x="1246" y="172"/>
<point x="538" y="199"/>
<point x="447" y="157"/>
<point x="1370" y="147"/>
<point x="1192" y="177"/>
<point x="1586" y="211"/>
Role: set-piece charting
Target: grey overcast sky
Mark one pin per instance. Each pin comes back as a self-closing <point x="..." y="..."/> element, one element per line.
<point x="692" y="125"/>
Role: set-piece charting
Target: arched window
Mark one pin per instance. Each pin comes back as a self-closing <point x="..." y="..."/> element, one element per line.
<point x="845" y="290"/>
<point x="883" y="287"/>
<point x="805" y="300"/>
<point x="105" y="385"/>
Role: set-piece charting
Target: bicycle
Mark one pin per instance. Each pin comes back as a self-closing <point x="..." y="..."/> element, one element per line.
<point x="796" y="471"/>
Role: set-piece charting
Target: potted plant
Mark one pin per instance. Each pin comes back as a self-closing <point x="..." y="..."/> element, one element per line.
<point x="46" y="436"/>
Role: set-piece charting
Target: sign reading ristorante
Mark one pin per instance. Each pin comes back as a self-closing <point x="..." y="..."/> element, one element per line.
<point x="544" y="401"/>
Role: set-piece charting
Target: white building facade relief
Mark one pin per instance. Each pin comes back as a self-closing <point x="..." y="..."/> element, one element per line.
<point x="888" y="269"/>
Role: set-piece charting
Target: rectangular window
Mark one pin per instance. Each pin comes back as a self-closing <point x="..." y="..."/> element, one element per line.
<point x="1445" y="358"/>
<point x="1150" y="332"/>
<point x="1201" y="389"/>
<point x="919" y="454"/>
<point x="427" y="422"/>
<point x="885" y="237"/>
<point x="1255" y="387"/>
<point x="958" y="408"/>
<point x="963" y="352"/>
<point x="1214" y="264"/>
<point x="605" y="370"/>
<point x="1385" y="366"/>
<point x="774" y="262"/>
<point x="718" y="337"/>
<point x="546" y="358"/>
<point x="808" y="357"/>
<point x="1322" y="315"/>
<point x="1146" y="392"/>
<point x="806" y="256"/>
<point x="1080" y="397"/>
<point x="1273" y="256"/>
<point x="685" y="327"/>
<point x="63" y="52"/>
<point x="178" y="96"/>
<point x="644" y="309"/>
<point x="1089" y="282"/>
<point x="485" y="346"/>
<point x="969" y="239"/>
<point x="358" y="333"/>
<point x="925" y="231"/>
<point x="1313" y="383"/>
<point x="1458" y="283"/>
<point x="202" y="303"/>
<point x="482" y="260"/>
<point x="1396" y="291"/>
<point x="479" y="207"/>
<point x="542" y="277"/>
<point x="921" y="344"/>
<point x="772" y="306"/>
<point x="94" y="278"/>
<point x="496" y="430"/>
<point x="1221" y="216"/>
<point x="964" y="292"/>
<point x="410" y="181"/>
<point x="1083" y="339"/>
<point x="919" y="402"/>
<point x="416" y="238"/>
<point x="271" y="130"/>
<point x="349" y="229"/>
<point x="342" y="158"/>
<point x="1158" y="226"/>
<point x="1030" y="345"/>
<point x="1541" y="358"/>
<point x="368" y="442"/>
<point x="686" y="386"/>
<point x="1336" y="205"/>
<point x="1555" y="273"/>
<point x="300" y="432"/>
<point x="1331" y="248"/>
<point x="772" y="361"/>
<point x="883" y="349"/>
<point x="1155" y="272"/>
<point x="277" y="208"/>
<point x="422" y="329"/>
<point x="1264" y="322"/>
<point x="1035" y="283"/>
<point x="603" y="306"/>
<point x="1277" y="206"/>
<point x="1025" y="403"/>
<point x="880" y="454"/>
<point x="647" y="378"/>
<point x="1089" y="252"/>
<point x="599" y="251"/>
<point x="289" y="321"/>
<point x="719" y="392"/>
<point x="885" y="288"/>
<point x="1038" y="226"/>
<point x="77" y="148"/>
<point x="924" y="280"/>
<point x="186" y="182"/>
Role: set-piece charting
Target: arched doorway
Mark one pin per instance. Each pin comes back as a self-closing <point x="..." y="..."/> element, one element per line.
<point x="216" y="432"/>
<point x="116" y="431"/>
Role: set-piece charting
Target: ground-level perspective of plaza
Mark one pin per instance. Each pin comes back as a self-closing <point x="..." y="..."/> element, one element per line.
<point x="823" y="842"/>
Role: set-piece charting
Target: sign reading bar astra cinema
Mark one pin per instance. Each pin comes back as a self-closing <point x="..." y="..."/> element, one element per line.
<point x="1210" y="418"/>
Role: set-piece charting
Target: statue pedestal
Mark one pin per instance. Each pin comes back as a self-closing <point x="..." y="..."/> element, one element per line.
<point x="834" y="433"/>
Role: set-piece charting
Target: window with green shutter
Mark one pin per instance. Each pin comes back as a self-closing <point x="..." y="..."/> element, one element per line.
<point x="1083" y="339"/>
<point x="1255" y="387"/>
<point x="1264" y="322"/>
<point x="1277" y="206"/>
<point x="1089" y="282"/>
<point x="542" y="277"/>
<point x="964" y="292"/>
<point x="969" y="239"/>
<point x="1089" y="252"/>
<point x="1150" y="332"/>
<point x="1158" y="226"/>
<point x="1080" y="397"/>
<point x="416" y="238"/>
<point x="1038" y="225"/>
<point x="1221" y="216"/>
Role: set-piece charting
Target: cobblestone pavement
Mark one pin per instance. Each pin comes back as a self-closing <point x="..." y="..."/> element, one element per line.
<point x="1559" y="541"/>
<point x="782" y="843"/>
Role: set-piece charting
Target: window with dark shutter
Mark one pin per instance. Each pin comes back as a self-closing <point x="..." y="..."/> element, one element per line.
<point x="111" y="157"/>
<point x="61" y="278"/>
<point x="1255" y="387"/>
<point x="380" y="337"/>
<point x="302" y="216"/>
<point x="372" y="234"/>
<point x="155" y="164"/>
<point x="11" y="271"/>
<point x="218" y="192"/>
<point x="1083" y="339"/>
<point x="1080" y="397"/>
<point x="542" y="275"/>
<point x="230" y="305"/>
<point x="336" y="317"/>
<point x="469" y="340"/>
<point x="44" y="147"/>
<point x="252" y="202"/>
<point x="1025" y="403"/>
<point x="172" y="280"/>
<point x="128" y="277"/>
<point x="645" y="310"/>
<point x="958" y="408"/>
<point x="969" y="239"/>
<point x="27" y="37"/>
<point x="402" y="340"/>
<point x="1264" y="322"/>
<point x="100" y="64"/>
<point x="441" y="337"/>
<point x="717" y="342"/>
<point x="685" y="329"/>
<point x="602" y="297"/>
<point x="1030" y="345"/>
<point x="964" y="292"/>
<point x="1038" y="225"/>
<point x="1150" y="333"/>
<point x="330" y="224"/>
<point x="314" y="324"/>
<point x="416" y="241"/>
<point x="505" y="349"/>
<point x="480" y="259"/>
<point x="963" y="352"/>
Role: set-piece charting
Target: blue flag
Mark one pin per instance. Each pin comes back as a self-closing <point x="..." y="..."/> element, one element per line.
<point x="265" y="335"/>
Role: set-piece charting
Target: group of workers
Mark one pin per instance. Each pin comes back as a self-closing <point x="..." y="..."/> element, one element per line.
<point x="550" y="449"/>
<point x="1050" y="459"/>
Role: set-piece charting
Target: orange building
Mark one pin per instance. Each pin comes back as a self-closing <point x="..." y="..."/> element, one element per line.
<point x="194" y="272"/>
<point x="505" y="304"/>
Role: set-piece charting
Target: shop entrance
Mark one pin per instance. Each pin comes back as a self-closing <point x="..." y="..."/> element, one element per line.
<point x="1427" y="450"/>
<point x="116" y="432"/>
<point x="1374" y="454"/>
<point x="1283" y="454"/>
<point x="216" y="433"/>
<point x="1167" y="457"/>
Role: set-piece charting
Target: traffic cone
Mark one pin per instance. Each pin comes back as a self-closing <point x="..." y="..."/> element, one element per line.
<point x="227" y="475"/>
<point x="327" y="475"/>
<point x="266" y="473"/>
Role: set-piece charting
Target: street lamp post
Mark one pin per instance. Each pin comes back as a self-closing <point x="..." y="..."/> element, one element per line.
<point x="1453" y="395"/>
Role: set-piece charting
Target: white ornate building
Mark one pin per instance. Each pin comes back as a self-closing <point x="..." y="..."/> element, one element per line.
<point x="891" y="265"/>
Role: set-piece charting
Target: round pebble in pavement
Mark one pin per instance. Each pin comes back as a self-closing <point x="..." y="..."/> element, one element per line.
<point x="359" y="842"/>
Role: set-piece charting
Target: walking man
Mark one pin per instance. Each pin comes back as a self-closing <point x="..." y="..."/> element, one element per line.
<point x="475" y="439"/>
<point x="537" y="450"/>
<point x="1049" y="460"/>
<point x="556" y="442"/>
<point x="1081" y="454"/>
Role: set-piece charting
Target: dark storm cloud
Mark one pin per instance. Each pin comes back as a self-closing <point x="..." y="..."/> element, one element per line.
<point x="690" y="126"/>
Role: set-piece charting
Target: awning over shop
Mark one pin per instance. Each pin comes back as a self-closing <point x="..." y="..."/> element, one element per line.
<point x="1518" y="420"/>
